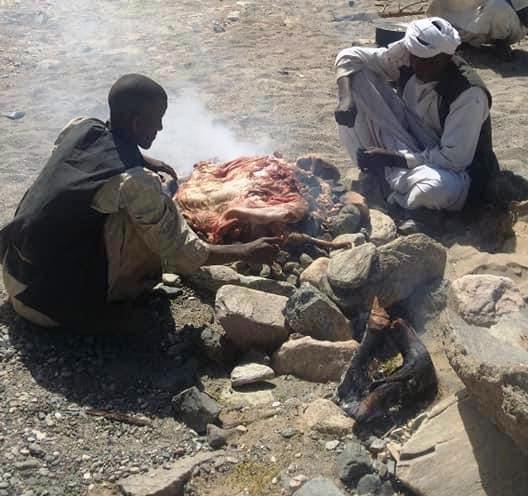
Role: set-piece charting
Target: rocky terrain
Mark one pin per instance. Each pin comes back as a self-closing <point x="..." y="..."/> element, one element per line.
<point x="184" y="410"/>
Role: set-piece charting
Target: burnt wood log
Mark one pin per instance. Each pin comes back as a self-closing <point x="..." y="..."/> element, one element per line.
<point x="365" y="399"/>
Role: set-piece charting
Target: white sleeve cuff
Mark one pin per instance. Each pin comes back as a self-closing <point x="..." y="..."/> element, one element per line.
<point x="412" y="159"/>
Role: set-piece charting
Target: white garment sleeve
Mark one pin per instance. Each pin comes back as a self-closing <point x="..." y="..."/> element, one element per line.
<point x="460" y="135"/>
<point x="385" y="62"/>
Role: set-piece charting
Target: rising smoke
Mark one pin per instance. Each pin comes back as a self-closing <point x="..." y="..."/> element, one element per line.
<point x="191" y="133"/>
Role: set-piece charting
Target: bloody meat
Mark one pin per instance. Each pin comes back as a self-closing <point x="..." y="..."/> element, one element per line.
<point x="244" y="198"/>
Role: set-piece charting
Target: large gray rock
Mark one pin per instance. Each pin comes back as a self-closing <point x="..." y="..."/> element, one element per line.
<point x="319" y="487"/>
<point x="326" y="417"/>
<point x="311" y="313"/>
<point x="391" y="272"/>
<point x="382" y="228"/>
<point x="165" y="481"/>
<point x="493" y="364"/>
<point x="196" y="409"/>
<point x="314" y="360"/>
<point x="483" y="299"/>
<point x="213" y="277"/>
<point x="351" y="268"/>
<point x="251" y="319"/>
<point x="457" y="451"/>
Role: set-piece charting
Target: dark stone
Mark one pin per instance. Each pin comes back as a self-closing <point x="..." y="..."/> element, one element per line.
<point x="353" y="463"/>
<point x="369" y="484"/>
<point x="196" y="409"/>
<point x="347" y="221"/>
<point x="217" y="437"/>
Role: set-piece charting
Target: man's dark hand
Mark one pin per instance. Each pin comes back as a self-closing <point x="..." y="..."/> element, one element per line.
<point x="261" y="251"/>
<point x="376" y="159"/>
<point x="346" y="110"/>
<point x="158" y="166"/>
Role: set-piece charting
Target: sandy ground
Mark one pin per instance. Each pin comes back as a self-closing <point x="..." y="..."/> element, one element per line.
<point x="263" y="72"/>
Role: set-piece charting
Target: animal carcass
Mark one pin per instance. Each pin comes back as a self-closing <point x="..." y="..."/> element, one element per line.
<point x="248" y="197"/>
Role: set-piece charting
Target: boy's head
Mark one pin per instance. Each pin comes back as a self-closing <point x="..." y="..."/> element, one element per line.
<point x="137" y="105"/>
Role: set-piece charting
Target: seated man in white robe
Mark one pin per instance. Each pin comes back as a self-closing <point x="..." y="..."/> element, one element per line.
<point x="430" y="143"/>
<point x="486" y="22"/>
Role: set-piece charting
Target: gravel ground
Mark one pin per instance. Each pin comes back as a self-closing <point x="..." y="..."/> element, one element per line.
<point x="262" y="74"/>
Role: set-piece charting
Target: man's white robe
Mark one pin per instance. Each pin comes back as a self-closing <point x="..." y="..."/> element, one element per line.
<point x="437" y="158"/>
<point x="481" y="22"/>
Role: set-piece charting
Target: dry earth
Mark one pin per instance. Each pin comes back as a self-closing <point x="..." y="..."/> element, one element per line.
<point x="264" y="70"/>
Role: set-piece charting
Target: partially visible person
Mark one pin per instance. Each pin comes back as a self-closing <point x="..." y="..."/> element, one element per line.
<point x="97" y="228"/>
<point x="429" y="144"/>
<point x="501" y="23"/>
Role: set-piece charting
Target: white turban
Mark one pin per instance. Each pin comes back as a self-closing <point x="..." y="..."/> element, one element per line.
<point x="429" y="37"/>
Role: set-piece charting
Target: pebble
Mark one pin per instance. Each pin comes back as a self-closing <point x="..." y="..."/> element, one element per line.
<point x="26" y="465"/>
<point x="36" y="450"/>
<point x="171" y="279"/>
<point x="331" y="445"/>
<point x="289" y="432"/>
<point x="233" y="16"/>
<point x="275" y="404"/>
<point x="377" y="445"/>
<point x="241" y="428"/>
<point x="391" y="467"/>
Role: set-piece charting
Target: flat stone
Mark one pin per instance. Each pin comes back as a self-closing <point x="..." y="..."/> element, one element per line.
<point x="483" y="299"/>
<point x="250" y="396"/>
<point x="492" y="362"/>
<point x="196" y="409"/>
<point x="314" y="360"/>
<point x="252" y="319"/>
<point x="315" y="272"/>
<point x="311" y="313"/>
<point x="326" y="417"/>
<point x="163" y="481"/>
<point x="331" y="445"/>
<point x="251" y="373"/>
<point x="211" y="278"/>
<point x="353" y="463"/>
<point x="319" y="487"/>
<point x="382" y="228"/>
<point x="457" y="451"/>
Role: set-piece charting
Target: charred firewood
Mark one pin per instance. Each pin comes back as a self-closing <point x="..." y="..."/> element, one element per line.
<point x="366" y="399"/>
<point x="299" y="238"/>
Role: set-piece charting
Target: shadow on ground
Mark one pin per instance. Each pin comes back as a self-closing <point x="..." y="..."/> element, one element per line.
<point x="127" y="374"/>
<point x="484" y="58"/>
